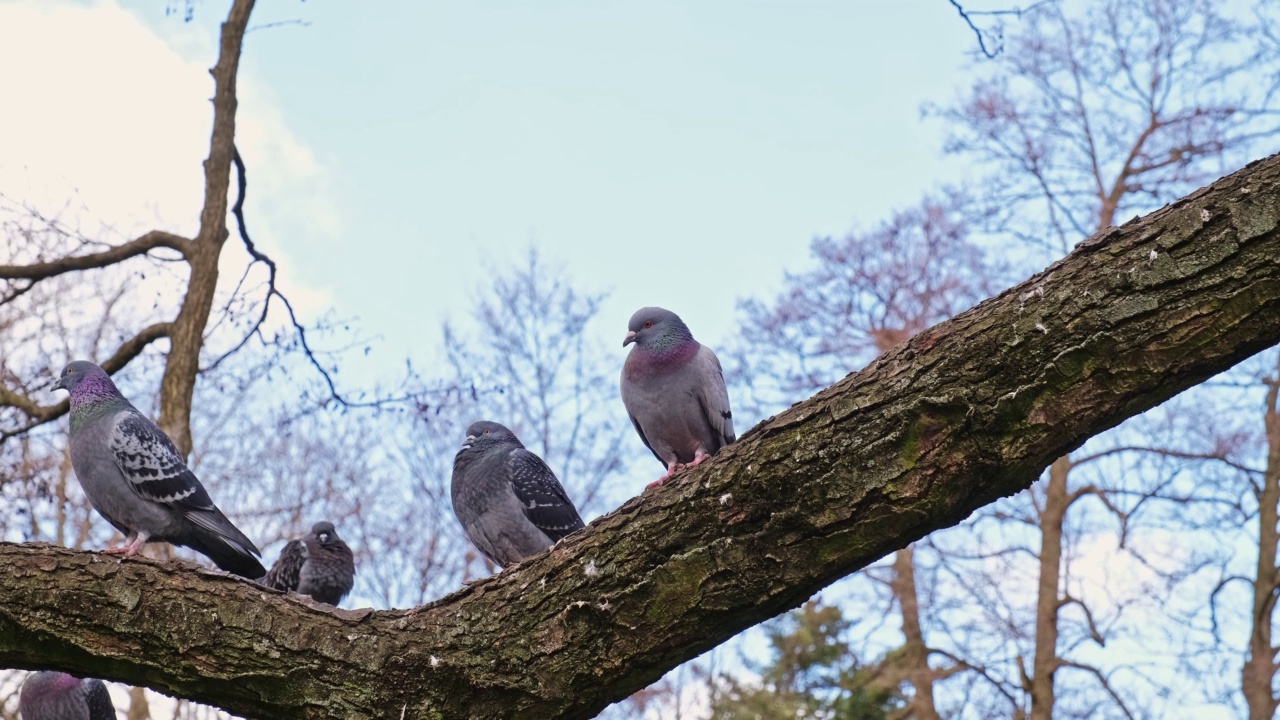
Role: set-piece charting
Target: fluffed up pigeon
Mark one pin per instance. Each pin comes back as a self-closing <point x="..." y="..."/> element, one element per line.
<point x="49" y="695"/>
<point x="510" y="504"/>
<point x="673" y="389"/>
<point x="319" y="565"/>
<point x="136" y="478"/>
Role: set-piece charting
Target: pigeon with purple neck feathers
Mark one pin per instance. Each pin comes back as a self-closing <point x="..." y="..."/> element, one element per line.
<point x="673" y="389"/>
<point x="135" y="477"/>
<point x="319" y="565"/>
<point x="509" y="503"/>
<point x="49" y="695"/>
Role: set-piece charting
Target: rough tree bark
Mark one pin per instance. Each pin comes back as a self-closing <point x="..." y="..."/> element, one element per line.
<point x="968" y="411"/>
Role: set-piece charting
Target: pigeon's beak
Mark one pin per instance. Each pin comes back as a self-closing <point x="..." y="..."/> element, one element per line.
<point x="61" y="384"/>
<point x="629" y="338"/>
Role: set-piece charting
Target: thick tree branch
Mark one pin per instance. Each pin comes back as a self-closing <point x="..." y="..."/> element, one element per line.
<point x="138" y="246"/>
<point x="966" y="412"/>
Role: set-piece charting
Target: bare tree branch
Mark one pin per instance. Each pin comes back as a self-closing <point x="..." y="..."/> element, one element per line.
<point x="1102" y="680"/>
<point x="968" y="15"/>
<point x="138" y="246"/>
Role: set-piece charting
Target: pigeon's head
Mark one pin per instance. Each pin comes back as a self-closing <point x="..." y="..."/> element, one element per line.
<point x="656" y="328"/>
<point x="325" y="533"/>
<point x="45" y="683"/>
<point x="485" y="433"/>
<point x="83" y="373"/>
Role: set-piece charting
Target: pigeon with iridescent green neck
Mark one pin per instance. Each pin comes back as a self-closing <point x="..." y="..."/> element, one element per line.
<point x="49" y="695"/>
<point x="135" y="477"/>
<point x="673" y="389"/>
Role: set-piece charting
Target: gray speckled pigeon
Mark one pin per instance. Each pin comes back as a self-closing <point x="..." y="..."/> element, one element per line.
<point x="49" y="695"/>
<point x="673" y="389"/>
<point x="509" y="502"/>
<point x="319" y="565"/>
<point x="136" y="478"/>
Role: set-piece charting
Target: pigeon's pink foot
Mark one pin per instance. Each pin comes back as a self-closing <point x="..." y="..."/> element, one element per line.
<point x="131" y="546"/>
<point x="698" y="457"/>
<point x="671" y="469"/>
<point x="136" y="545"/>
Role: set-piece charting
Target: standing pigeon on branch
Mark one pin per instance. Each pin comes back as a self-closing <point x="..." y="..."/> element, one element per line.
<point x="136" y="478"/>
<point x="319" y="565"/>
<point x="673" y="389"/>
<point x="49" y="695"/>
<point x="509" y="502"/>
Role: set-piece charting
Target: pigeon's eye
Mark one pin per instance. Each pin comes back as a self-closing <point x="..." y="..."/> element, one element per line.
<point x="648" y="323"/>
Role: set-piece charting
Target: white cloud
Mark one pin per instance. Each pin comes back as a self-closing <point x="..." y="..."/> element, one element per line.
<point x="108" y="123"/>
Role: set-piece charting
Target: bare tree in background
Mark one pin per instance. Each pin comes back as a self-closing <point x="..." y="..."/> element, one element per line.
<point x="1090" y="118"/>
<point x="1258" y="677"/>
<point x="546" y="379"/>
<point x="532" y="365"/>
<point x="867" y="293"/>
<point x="67" y="294"/>
<point x="1083" y="120"/>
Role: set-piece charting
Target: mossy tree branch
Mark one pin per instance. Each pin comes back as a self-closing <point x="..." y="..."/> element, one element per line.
<point x="966" y="412"/>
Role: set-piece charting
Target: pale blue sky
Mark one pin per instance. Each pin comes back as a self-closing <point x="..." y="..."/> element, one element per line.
<point x="677" y="153"/>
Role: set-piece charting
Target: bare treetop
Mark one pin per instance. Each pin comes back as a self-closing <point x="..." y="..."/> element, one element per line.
<point x="1088" y="117"/>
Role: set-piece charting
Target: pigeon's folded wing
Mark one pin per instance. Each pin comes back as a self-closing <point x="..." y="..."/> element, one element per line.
<point x="541" y="496"/>
<point x="153" y="466"/>
<point x="285" y="573"/>
<point x="714" y="398"/>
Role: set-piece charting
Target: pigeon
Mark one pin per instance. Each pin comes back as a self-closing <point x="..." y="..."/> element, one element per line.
<point x="673" y="389"/>
<point x="135" y="477"/>
<point x="319" y="565"/>
<point x="49" y="695"/>
<point x="509" y="503"/>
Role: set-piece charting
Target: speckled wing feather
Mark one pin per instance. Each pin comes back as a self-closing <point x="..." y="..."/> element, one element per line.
<point x="156" y="471"/>
<point x="541" y="495"/>
<point x="284" y="574"/>
<point x="152" y="465"/>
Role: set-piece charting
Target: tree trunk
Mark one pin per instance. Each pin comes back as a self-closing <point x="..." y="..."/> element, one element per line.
<point x="915" y="650"/>
<point x="186" y="336"/>
<point x="139" y="708"/>
<point x="966" y="412"/>
<point x="1259" y="669"/>
<point x="1045" y="662"/>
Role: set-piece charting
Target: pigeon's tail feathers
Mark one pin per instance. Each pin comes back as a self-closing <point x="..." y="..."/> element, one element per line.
<point x="227" y="557"/>
<point x="215" y="537"/>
